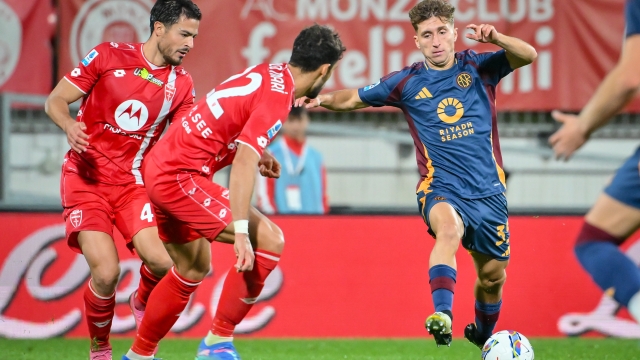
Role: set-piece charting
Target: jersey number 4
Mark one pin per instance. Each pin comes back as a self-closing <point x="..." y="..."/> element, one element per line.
<point x="213" y="96"/>
<point x="146" y="214"/>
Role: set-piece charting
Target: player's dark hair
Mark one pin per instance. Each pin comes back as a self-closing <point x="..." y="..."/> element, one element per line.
<point x="169" y="12"/>
<point x="427" y="9"/>
<point x="315" y="46"/>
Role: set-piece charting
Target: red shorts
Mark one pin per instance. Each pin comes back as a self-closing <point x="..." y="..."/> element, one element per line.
<point x="188" y="206"/>
<point x="93" y="206"/>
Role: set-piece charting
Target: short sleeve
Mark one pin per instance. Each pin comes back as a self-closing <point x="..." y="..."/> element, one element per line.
<point x="632" y="16"/>
<point x="264" y="123"/>
<point x="384" y="92"/>
<point x="88" y="71"/>
<point x="495" y="65"/>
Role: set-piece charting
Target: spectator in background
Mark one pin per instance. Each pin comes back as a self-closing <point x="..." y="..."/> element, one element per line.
<point x="302" y="186"/>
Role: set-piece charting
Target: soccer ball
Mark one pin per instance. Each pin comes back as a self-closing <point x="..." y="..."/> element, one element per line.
<point x="507" y="345"/>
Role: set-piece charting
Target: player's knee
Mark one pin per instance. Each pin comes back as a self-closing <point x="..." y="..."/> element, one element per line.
<point x="448" y="236"/>
<point x="493" y="282"/>
<point x="272" y="240"/>
<point x="159" y="265"/>
<point x="105" y="278"/>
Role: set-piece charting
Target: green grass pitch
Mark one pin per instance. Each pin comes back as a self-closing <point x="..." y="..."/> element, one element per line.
<point x="262" y="349"/>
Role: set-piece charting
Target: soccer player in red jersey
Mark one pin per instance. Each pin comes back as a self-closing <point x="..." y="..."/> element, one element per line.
<point x="130" y="92"/>
<point x="231" y="126"/>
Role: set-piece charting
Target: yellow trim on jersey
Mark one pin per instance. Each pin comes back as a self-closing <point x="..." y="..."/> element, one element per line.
<point x="426" y="183"/>
<point x="501" y="175"/>
<point x="423" y="94"/>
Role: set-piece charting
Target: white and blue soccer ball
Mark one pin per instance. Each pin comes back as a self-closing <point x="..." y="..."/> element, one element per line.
<point x="507" y="345"/>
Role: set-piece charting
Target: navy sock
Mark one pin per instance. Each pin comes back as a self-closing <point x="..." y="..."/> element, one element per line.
<point x="487" y="317"/>
<point x="610" y="268"/>
<point x="442" y="279"/>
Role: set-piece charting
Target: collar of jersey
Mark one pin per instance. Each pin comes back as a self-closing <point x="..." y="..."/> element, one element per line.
<point x="441" y="73"/>
<point x="153" y="67"/>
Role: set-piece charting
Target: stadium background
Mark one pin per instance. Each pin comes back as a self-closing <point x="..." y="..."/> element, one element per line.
<point x="365" y="262"/>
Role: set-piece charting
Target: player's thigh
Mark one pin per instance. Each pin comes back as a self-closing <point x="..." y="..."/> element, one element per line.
<point x="102" y="257"/>
<point x="133" y="213"/>
<point x="263" y="233"/>
<point x="192" y="259"/>
<point x="617" y="210"/>
<point x="614" y="217"/>
<point x="86" y="208"/>
<point x="489" y="233"/>
<point x="443" y="215"/>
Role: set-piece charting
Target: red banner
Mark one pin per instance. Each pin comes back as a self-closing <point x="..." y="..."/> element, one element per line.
<point x="26" y="55"/>
<point x="573" y="55"/>
<point x="340" y="276"/>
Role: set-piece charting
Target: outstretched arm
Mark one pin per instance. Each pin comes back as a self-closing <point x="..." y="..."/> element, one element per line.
<point x="341" y="100"/>
<point x="613" y="94"/>
<point x="519" y="52"/>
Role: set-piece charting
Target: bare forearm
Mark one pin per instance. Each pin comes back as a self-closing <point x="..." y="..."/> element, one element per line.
<point x="58" y="110"/>
<point x="611" y="97"/>
<point x="342" y="100"/>
<point x="519" y="52"/>
<point x="241" y="183"/>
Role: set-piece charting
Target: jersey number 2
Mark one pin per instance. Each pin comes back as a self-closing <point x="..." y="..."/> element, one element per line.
<point x="213" y="96"/>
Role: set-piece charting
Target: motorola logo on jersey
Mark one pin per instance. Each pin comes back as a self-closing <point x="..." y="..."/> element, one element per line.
<point x="450" y="110"/>
<point x="131" y="115"/>
<point x="464" y="80"/>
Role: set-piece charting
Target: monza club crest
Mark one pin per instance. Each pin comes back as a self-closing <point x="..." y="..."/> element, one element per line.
<point x="169" y="91"/>
<point x="76" y="218"/>
<point x="98" y="21"/>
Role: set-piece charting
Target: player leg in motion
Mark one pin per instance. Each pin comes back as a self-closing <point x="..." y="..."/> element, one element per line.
<point x="616" y="213"/>
<point x="101" y="184"/>
<point x="449" y="103"/>
<point x="192" y="211"/>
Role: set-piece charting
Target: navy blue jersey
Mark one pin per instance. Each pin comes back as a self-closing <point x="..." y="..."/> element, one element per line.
<point x="632" y="15"/>
<point x="452" y="119"/>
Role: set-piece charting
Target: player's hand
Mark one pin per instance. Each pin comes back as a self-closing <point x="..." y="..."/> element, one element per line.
<point x="244" y="253"/>
<point x="483" y="33"/>
<point x="269" y="166"/>
<point x="76" y="136"/>
<point x="570" y="137"/>
<point x="307" y="103"/>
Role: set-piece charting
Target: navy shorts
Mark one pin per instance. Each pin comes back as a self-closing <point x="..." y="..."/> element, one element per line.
<point x="486" y="226"/>
<point x="625" y="186"/>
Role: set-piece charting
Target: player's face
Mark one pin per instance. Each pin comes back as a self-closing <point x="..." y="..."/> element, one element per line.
<point x="436" y="40"/>
<point x="177" y="40"/>
<point x="325" y="75"/>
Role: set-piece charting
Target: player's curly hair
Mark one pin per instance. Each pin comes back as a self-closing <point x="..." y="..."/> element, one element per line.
<point x="427" y="9"/>
<point x="169" y="12"/>
<point x="315" y="46"/>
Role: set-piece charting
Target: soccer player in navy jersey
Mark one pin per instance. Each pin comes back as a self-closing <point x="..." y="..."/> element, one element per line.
<point x="616" y="214"/>
<point x="449" y="103"/>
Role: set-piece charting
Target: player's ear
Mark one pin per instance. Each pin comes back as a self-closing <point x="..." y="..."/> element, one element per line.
<point x="325" y="69"/>
<point x="158" y="28"/>
<point x="455" y="34"/>
<point x="415" y="38"/>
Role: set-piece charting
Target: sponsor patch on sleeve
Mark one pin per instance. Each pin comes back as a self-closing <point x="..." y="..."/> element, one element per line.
<point x="274" y="129"/>
<point x="89" y="58"/>
<point x="369" y="87"/>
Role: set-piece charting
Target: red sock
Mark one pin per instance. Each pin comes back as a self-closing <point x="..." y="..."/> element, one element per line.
<point x="240" y="291"/>
<point x="148" y="281"/>
<point x="99" y="311"/>
<point x="166" y="303"/>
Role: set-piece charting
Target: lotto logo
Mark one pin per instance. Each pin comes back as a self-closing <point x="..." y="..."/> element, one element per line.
<point x="76" y="218"/>
<point x="262" y="141"/>
<point x="119" y="73"/>
<point x="207" y="202"/>
<point x="75" y="72"/>
<point x="222" y="213"/>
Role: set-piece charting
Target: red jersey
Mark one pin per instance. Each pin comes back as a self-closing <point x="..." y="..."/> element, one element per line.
<point x="247" y="108"/>
<point x="126" y="106"/>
